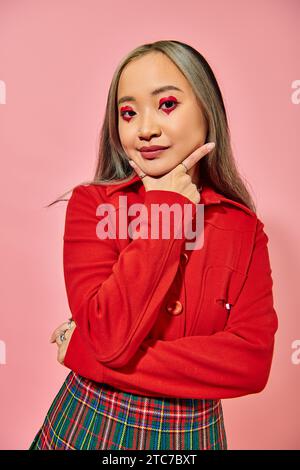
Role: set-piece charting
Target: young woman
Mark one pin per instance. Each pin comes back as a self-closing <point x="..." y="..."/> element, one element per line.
<point x="162" y="329"/>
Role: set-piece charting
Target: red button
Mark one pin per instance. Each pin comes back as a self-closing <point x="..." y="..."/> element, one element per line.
<point x="175" y="308"/>
<point x="184" y="257"/>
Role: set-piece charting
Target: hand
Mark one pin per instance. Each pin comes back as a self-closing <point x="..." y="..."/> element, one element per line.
<point x="177" y="179"/>
<point x="63" y="345"/>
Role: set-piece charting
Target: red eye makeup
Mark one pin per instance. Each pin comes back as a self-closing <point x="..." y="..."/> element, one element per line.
<point x="124" y="110"/>
<point x="162" y="101"/>
<point x="170" y="99"/>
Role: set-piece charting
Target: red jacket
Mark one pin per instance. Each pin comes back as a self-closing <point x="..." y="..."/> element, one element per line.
<point x="157" y="320"/>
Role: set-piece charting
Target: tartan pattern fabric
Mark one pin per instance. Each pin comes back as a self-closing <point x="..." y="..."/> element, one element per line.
<point x="87" y="415"/>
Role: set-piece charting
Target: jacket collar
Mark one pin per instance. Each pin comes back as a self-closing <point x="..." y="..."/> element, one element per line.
<point x="208" y="194"/>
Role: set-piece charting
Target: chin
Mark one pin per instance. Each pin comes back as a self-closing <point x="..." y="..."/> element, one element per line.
<point x="156" y="165"/>
<point x="155" y="172"/>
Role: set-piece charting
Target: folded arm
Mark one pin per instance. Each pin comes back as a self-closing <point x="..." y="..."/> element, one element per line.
<point x="230" y="363"/>
<point x="115" y="297"/>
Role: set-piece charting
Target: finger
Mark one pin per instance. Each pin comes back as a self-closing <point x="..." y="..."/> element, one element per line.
<point x="63" y="327"/>
<point x="137" y="169"/>
<point x="195" y="156"/>
<point x="59" y="341"/>
<point x="54" y="336"/>
<point x="55" y="333"/>
<point x="59" y="330"/>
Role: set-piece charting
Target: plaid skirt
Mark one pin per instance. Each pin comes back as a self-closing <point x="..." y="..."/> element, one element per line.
<point x="88" y="415"/>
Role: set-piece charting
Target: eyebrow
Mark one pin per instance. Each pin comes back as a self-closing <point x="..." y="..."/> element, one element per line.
<point x="153" y="93"/>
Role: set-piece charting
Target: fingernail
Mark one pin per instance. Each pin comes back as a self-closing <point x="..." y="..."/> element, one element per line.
<point x="210" y="145"/>
<point x="131" y="163"/>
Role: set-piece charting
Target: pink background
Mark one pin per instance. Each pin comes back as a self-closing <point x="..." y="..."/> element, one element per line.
<point x="57" y="59"/>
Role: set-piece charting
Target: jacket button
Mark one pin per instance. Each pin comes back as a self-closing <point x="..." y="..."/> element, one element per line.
<point x="184" y="257"/>
<point x="175" y="308"/>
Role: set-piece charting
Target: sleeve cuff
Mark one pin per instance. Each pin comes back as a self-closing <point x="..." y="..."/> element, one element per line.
<point x="80" y="359"/>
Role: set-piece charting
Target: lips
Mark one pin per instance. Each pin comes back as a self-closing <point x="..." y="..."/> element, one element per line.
<point x="152" y="148"/>
<point x="152" y="152"/>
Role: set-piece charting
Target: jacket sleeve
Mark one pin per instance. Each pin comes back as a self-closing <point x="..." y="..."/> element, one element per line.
<point x="115" y="296"/>
<point x="230" y="363"/>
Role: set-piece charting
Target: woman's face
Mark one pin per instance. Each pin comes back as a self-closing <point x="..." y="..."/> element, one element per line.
<point x="169" y="118"/>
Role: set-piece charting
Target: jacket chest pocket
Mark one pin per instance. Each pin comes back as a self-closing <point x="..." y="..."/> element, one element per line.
<point x="221" y="288"/>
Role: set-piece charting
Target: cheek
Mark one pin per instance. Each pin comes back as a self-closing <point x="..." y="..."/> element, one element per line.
<point x="124" y="140"/>
<point x="194" y="133"/>
<point x="193" y="121"/>
<point x="122" y="133"/>
<point x="126" y="136"/>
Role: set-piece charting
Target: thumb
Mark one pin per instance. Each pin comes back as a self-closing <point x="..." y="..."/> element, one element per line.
<point x="136" y="168"/>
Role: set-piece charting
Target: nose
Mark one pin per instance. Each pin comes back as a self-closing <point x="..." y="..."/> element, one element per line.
<point x="149" y="127"/>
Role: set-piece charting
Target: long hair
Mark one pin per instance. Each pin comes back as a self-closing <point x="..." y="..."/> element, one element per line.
<point x="217" y="169"/>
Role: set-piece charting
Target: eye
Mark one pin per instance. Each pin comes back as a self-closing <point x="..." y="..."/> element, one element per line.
<point x="168" y="109"/>
<point x="123" y="113"/>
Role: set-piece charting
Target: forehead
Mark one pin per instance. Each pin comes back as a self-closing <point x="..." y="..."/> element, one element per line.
<point x="150" y="71"/>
